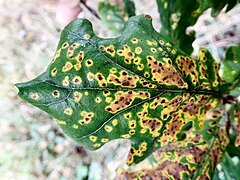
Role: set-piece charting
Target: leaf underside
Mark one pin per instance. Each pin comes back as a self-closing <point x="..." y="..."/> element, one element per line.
<point x="137" y="86"/>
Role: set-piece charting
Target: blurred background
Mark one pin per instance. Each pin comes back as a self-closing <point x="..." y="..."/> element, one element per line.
<point x="31" y="144"/>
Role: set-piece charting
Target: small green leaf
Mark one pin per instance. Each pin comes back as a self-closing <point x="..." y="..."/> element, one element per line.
<point x="114" y="15"/>
<point x="227" y="169"/>
<point x="177" y="16"/>
<point x="231" y="65"/>
<point x="137" y="86"/>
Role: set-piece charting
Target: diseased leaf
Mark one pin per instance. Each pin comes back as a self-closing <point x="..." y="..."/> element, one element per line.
<point x="176" y="16"/>
<point x="195" y="157"/>
<point x="137" y="86"/>
<point x="114" y="15"/>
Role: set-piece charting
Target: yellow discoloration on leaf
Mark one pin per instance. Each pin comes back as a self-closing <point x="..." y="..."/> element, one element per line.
<point x="110" y="50"/>
<point x="77" y="96"/>
<point x="115" y="122"/>
<point x="75" y="126"/>
<point x="236" y="115"/>
<point x="136" y="152"/>
<point x="60" y="122"/>
<point x="188" y="67"/>
<point x="65" y="81"/>
<point x="90" y="76"/>
<point x="125" y="99"/>
<point x="71" y="49"/>
<point x="87" y="117"/>
<point x="132" y="124"/>
<point x="102" y="82"/>
<point x="104" y="140"/>
<point x="57" y="55"/>
<point x="93" y="138"/>
<point x="68" y="111"/>
<point x="140" y="67"/>
<point x="56" y="93"/>
<point x="146" y="122"/>
<point x="132" y="132"/>
<point x="98" y="99"/>
<point x="77" y="80"/>
<point x="126" y="136"/>
<point x="86" y="36"/>
<point x="80" y="56"/>
<point x="127" y="54"/>
<point x="134" y="40"/>
<point x="137" y="60"/>
<point x="108" y="128"/>
<point x="124" y="80"/>
<point x="97" y="145"/>
<point x="108" y="99"/>
<point x="68" y="66"/>
<point x="153" y="50"/>
<point x="113" y="70"/>
<point x="54" y="72"/>
<point x="34" y="96"/>
<point x="165" y="73"/>
<point x="138" y="50"/>
<point x="106" y="93"/>
<point x="65" y="45"/>
<point x="89" y="63"/>
<point x="128" y="115"/>
<point x="152" y="43"/>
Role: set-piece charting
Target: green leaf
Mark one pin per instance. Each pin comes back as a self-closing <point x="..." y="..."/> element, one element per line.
<point x="177" y="16"/>
<point x="113" y="15"/>
<point x="227" y="169"/>
<point x="231" y="65"/>
<point x="217" y="6"/>
<point x="137" y="86"/>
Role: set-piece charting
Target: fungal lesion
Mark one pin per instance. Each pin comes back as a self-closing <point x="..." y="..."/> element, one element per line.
<point x="68" y="66"/>
<point x="126" y="53"/>
<point x="77" y="96"/>
<point x="164" y="73"/>
<point x="71" y="49"/>
<point x="136" y="151"/>
<point x="146" y="122"/>
<point x="102" y="82"/>
<point x="86" y="117"/>
<point x="188" y="68"/>
<point x="34" y="96"/>
<point x="123" y="80"/>
<point x="123" y="100"/>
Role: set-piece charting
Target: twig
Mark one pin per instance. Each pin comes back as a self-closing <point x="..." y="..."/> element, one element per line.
<point x="90" y="9"/>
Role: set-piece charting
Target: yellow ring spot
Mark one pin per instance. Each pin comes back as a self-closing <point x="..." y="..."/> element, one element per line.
<point x="93" y="138"/>
<point x="104" y="140"/>
<point x="68" y="111"/>
<point x="54" y="72"/>
<point x="89" y="63"/>
<point x="114" y="122"/>
<point x="77" y="80"/>
<point x="56" y="93"/>
<point x="35" y="96"/>
<point x="108" y="128"/>
<point x="75" y="126"/>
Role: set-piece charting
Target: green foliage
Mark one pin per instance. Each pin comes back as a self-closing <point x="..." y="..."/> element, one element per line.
<point x="113" y="15"/>
<point x="137" y="86"/>
<point x="176" y="16"/>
